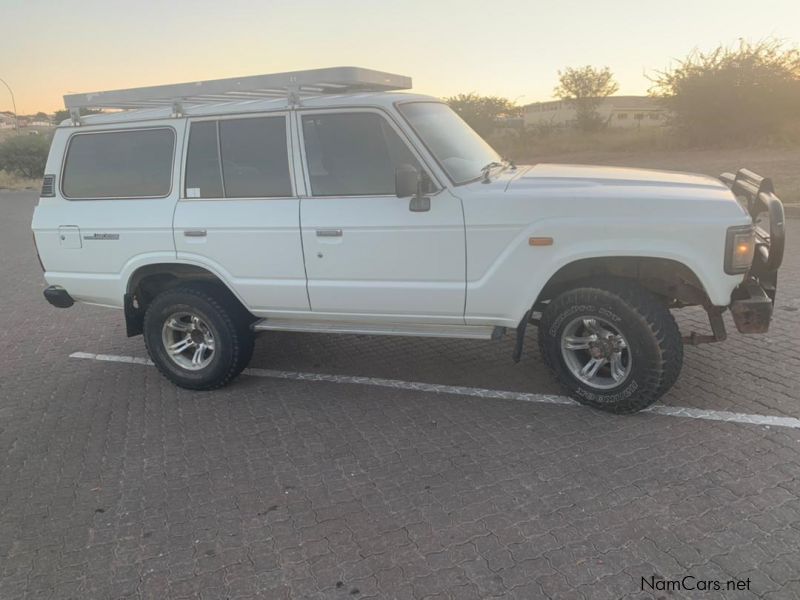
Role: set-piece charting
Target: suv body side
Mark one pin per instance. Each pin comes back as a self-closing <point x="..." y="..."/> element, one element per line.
<point x="273" y="267"/>
<point x="505" y="215"/>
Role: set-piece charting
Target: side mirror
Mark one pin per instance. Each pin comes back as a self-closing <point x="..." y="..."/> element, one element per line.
<point x="408" y="181"/>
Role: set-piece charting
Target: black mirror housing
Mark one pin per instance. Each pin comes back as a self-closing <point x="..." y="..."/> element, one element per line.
<point x="406" y="181"/>
<point x="410" y="182"/>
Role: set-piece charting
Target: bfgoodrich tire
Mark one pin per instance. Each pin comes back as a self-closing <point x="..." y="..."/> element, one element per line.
<point x="611" y="345"/>
<point x="196" y="337"/>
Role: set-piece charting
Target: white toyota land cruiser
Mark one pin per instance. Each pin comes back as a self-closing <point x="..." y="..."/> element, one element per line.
<point x="326" y="201"/>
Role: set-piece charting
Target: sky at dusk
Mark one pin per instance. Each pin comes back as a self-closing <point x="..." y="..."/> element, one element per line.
<point x="512" y="48"/>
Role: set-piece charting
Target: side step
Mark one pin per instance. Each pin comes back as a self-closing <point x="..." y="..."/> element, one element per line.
<point x="472" y="332"/>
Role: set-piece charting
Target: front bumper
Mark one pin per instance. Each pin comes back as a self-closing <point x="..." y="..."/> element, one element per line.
<point x="753" y="301"/>
<point x="751" y="308"/>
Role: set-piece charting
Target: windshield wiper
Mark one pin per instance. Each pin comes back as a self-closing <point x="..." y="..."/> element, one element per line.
<point x="487" y="169"/>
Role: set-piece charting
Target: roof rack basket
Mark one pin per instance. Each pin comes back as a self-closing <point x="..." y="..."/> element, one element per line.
<point x="293" y="84"/>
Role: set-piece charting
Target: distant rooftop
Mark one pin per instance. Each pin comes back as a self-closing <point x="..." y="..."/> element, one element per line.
<point x="621" y="102"/>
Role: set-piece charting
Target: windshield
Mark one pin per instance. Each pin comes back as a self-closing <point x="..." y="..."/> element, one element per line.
<point x="460" y="151"/>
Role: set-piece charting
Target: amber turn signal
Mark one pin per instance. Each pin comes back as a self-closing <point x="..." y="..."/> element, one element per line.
<point x="740" y="247"/>
<point x="540" y="241"/>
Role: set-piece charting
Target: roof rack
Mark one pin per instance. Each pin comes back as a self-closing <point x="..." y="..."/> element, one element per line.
<point x="293" y="84"/>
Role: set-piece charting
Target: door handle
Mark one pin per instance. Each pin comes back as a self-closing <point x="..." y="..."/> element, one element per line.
<point x="329" y="233"/>
<point x="194" y="233"/>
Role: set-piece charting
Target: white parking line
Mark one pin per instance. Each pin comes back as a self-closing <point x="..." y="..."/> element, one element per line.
<point x="659" y="409"/>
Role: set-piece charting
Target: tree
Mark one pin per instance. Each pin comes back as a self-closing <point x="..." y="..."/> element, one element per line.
<point x="585" y="88"/>
<point x="40" y="116"/>
<point x="25" y="155"/>
<point x="60" y="115"/>
<point x="482" y="112"/>
<point x="732" y="94"/>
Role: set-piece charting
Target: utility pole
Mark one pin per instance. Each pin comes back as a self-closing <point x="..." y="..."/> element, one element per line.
<point x="14" y="105"/>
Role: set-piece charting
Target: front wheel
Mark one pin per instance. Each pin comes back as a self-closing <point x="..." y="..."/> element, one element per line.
<point x="195" y="338"/>
<point x="611" y="345"/>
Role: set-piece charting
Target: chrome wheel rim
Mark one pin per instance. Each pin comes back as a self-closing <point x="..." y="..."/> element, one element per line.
<point x="596" y="352"/>
<point x="188" y="340"/>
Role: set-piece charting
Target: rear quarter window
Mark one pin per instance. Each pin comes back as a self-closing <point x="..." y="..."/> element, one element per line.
<point x="134" y="163"/>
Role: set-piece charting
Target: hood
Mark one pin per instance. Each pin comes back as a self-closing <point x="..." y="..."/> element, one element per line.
<point x="588" y="176"/>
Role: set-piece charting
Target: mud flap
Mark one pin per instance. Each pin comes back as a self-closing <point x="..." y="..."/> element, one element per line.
<point x="134" y="317"/>
<point x="523" y="325"/>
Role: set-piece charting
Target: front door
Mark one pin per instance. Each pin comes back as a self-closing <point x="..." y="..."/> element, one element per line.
<point x="367" y="256"/>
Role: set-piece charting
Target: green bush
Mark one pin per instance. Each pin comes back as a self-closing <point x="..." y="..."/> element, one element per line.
<point x="584" y="88"/>
<point x="740" y="94"/>
<point x="482" y="112"/>
<point x="25" y="155"/>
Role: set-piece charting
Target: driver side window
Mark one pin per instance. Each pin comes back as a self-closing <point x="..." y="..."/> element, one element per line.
<point x="353" y="154"/>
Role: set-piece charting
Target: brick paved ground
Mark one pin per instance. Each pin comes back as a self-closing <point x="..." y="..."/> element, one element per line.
<point x="115" y="484"/>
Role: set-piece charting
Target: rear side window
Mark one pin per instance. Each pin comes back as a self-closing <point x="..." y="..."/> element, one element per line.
<point x="136" y="163"/>
<point x="353" y="154"/>
<point x="238" y="158"/>
<point x="203" y="171"/>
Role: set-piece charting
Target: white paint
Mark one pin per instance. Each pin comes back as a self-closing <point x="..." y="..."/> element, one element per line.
<point x="434" y="388"/>
<point x="97" y="272"/>
<point x="387" y="259"/>
<point x="467" y="260"/>
<point x="240" y="233"/>
<point x="659" y="409"/>
<point x="113" y="358"/>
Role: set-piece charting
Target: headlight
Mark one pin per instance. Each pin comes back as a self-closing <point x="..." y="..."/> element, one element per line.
<point x="740" y="245"/>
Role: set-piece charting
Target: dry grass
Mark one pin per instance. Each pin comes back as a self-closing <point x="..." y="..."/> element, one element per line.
<point x="10" y="132"/>
<point x="782" y="165"/>
<point x="9" y="181"/>
<point x="656" y="149"/>
<point x="558" y="141"/>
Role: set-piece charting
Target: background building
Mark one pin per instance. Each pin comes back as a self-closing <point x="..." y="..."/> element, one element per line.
<point x="6" y="120"/>
<point x="616" y="111"/>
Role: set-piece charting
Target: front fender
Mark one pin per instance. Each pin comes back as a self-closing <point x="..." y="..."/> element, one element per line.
<point x="512" y="279"/>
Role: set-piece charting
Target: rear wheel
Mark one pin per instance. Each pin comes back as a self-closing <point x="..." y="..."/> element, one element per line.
<point x="196" y="338"/>
<point x="611" y="345"/>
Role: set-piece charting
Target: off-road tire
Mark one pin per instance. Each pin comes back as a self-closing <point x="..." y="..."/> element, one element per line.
<point x="654" y="342"/>
<point x="234" y="340"/>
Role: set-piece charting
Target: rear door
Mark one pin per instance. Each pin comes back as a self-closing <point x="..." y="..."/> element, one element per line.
<point x="239" y="212"/>
<point x="367" y="255"/>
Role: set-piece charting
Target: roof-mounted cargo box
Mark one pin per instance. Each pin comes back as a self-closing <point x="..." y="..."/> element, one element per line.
<point x="293" y="84"/>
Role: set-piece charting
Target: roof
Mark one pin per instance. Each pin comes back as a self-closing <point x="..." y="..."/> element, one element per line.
<point x="371" y="99"/>
<point x="634" y="102"/>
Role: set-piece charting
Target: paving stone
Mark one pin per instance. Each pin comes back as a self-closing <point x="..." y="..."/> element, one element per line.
<point x="116" y="484"/>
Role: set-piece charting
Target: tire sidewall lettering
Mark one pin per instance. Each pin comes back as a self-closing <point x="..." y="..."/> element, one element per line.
<point x="571" y="311"/>
<point x="623" y="394"/>
<point x="634" y="314"/>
